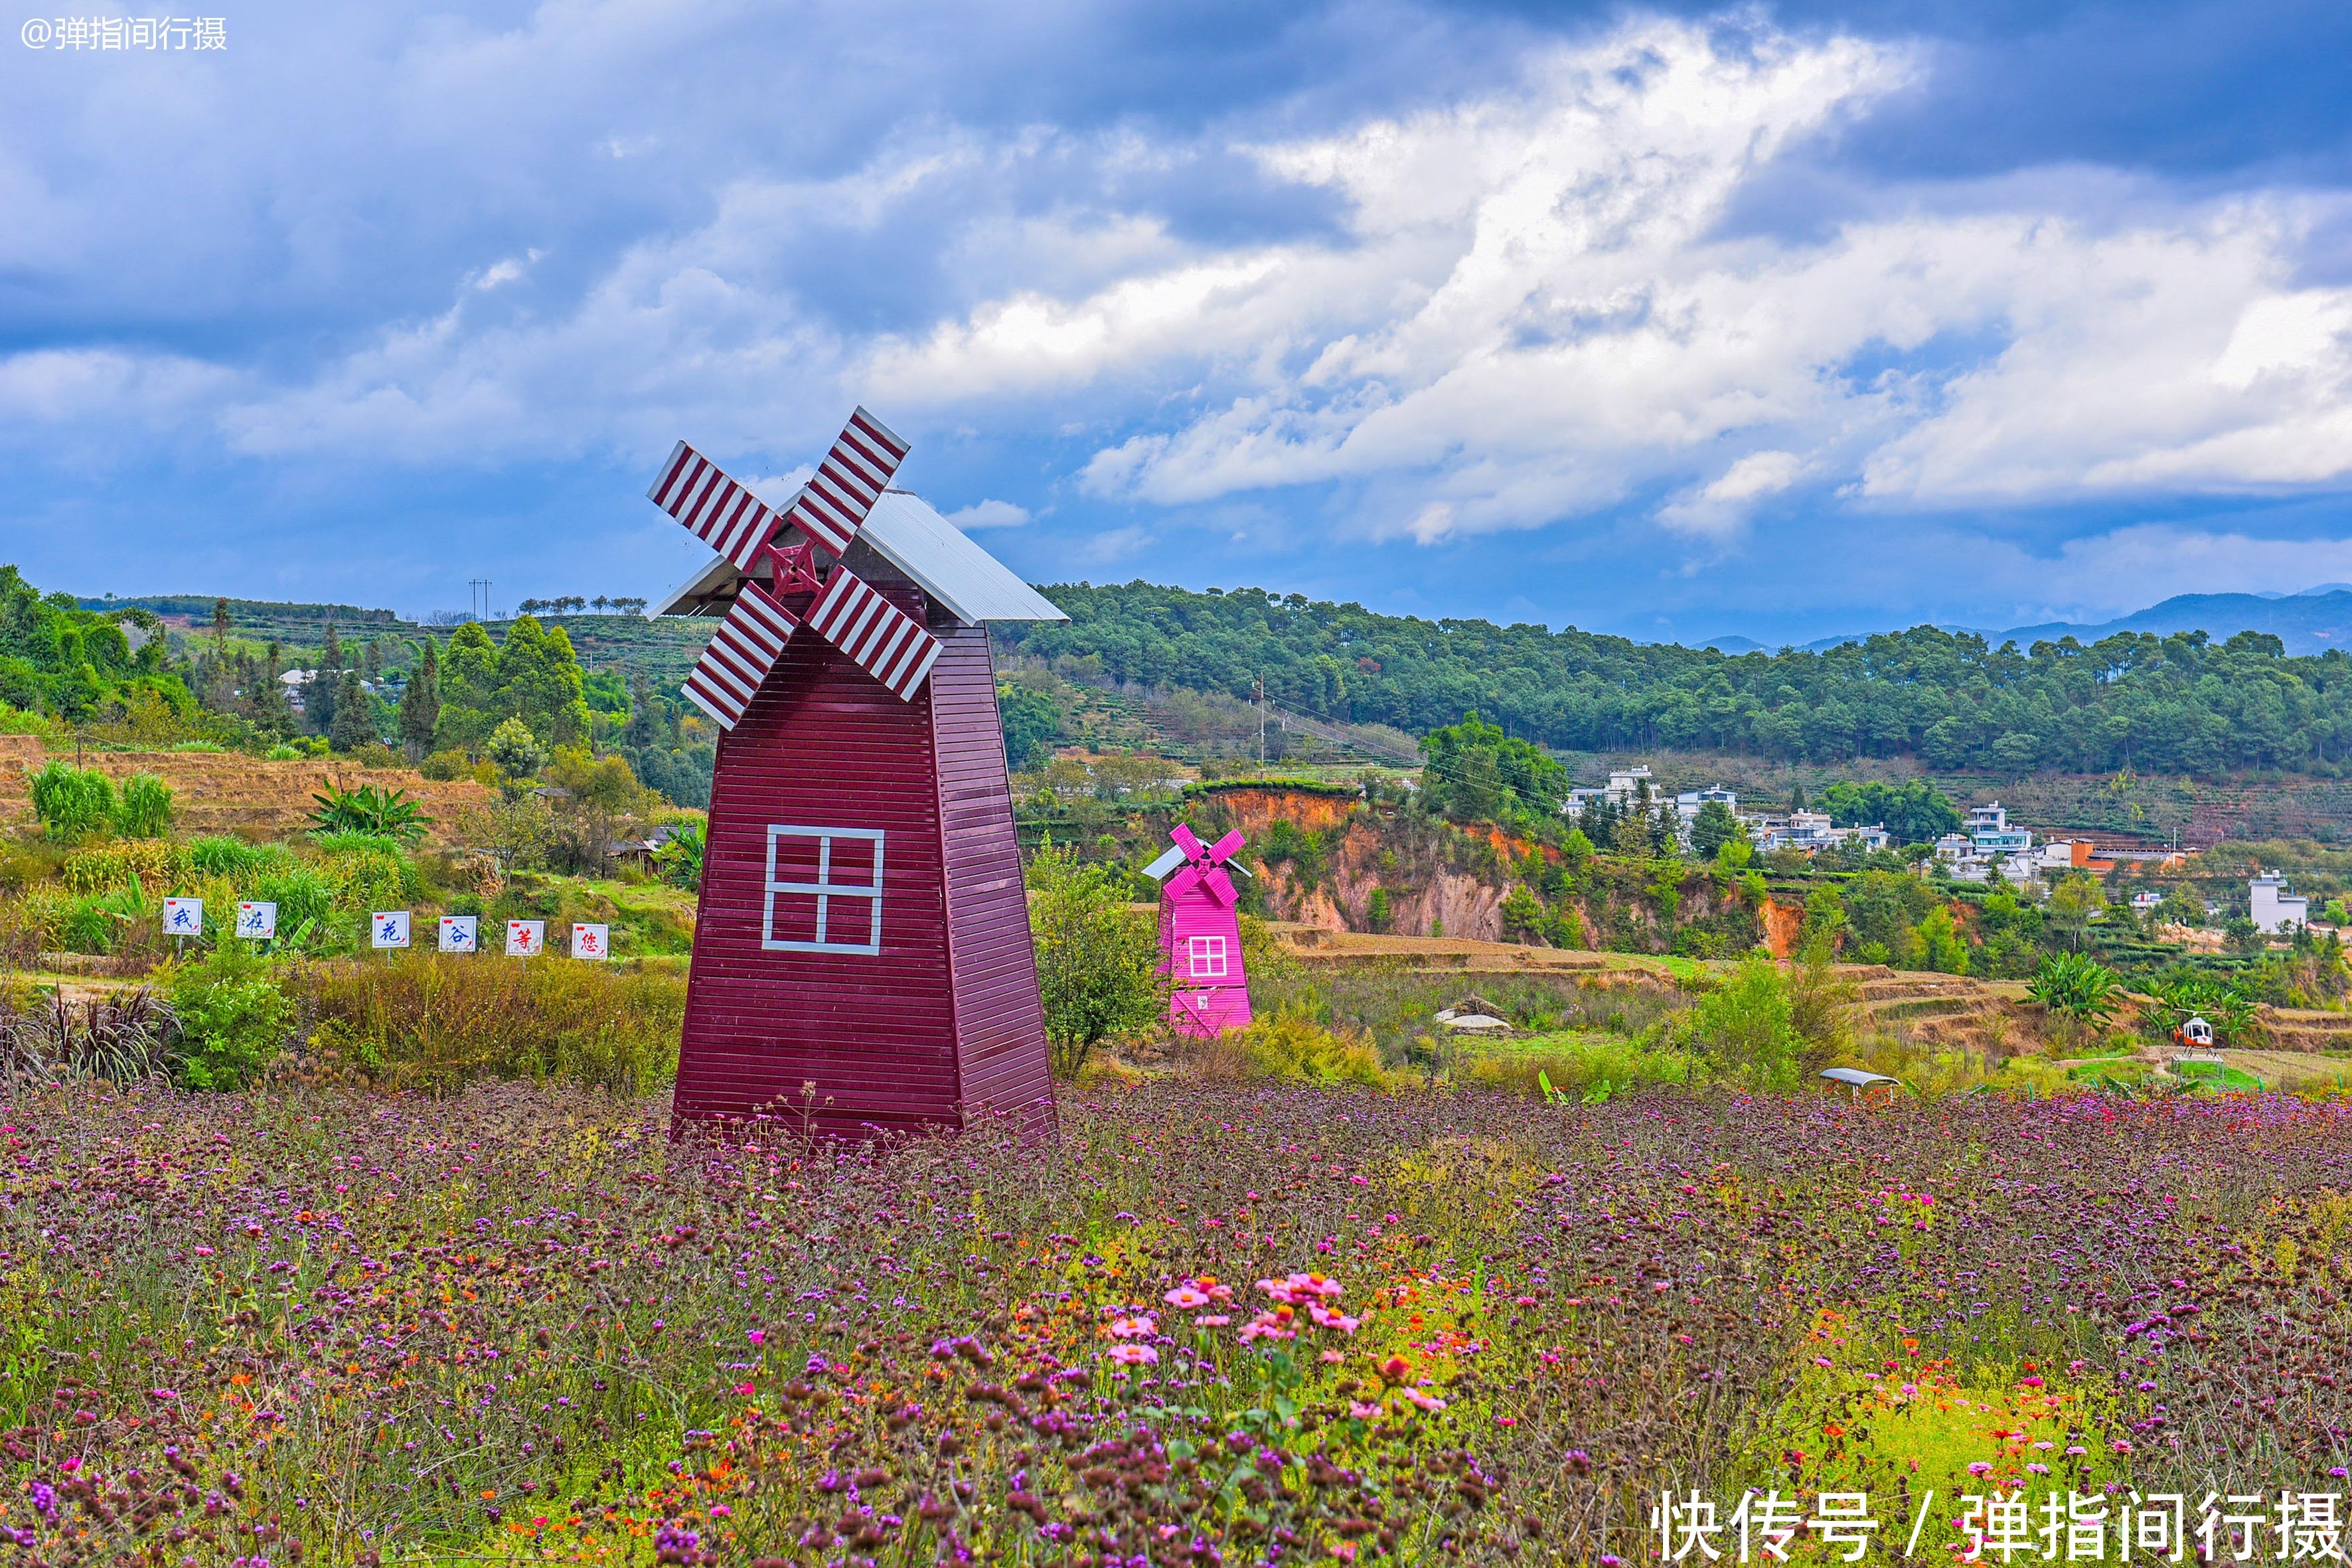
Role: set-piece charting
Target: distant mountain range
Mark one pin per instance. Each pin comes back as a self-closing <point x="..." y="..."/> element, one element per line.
<point x="2310" y="622"/>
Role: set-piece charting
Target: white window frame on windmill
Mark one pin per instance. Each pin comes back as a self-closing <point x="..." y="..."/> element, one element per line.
<point x="1203" y="950"/>
<point x="826" y="890"/>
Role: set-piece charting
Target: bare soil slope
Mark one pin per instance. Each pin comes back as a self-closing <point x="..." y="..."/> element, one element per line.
<point x="222" y="792"/>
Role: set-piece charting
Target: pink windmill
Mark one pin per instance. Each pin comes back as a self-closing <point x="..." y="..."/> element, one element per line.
<point x="1200" y="932"/>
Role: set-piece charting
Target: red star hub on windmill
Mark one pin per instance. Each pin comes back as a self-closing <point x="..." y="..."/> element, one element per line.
<point x="862" y="960"/>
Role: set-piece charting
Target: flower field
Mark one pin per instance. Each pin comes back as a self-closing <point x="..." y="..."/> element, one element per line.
<point x="1203" y="1326"/>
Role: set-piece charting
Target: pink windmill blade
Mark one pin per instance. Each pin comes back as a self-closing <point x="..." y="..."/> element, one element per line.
<point x="1189" y="849"/>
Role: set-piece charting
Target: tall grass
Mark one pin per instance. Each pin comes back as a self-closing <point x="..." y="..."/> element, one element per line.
<point x="425" y="1020"/>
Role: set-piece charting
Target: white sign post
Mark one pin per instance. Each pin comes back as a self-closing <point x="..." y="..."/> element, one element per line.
<point x="526" y="939"/>
<point x="183" y="917"/>
<point x="256" y="921"/>
<point x="460" y="933"/>
<point x="591" y="940"/>
<point x="389" y="928"/>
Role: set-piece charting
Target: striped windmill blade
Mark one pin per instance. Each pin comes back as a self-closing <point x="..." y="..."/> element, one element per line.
<point x="883" y="640"/>
<point x="714" y="508"/>
<point x="746" y="647"/>
<point x="832" y="507"/>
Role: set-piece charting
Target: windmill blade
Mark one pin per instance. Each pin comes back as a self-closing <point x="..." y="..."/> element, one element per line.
<point x="1220" y="885"/>
<point x="883" y="640"/>
<point x="745" y="648"/>
<point x="1184" y="880"/>
<point x="1225" y="848"/>
<point x="832" y="507"/>
<point x="1169" y="860"/>
<point x="1187" y="840"/>
<point x="714" y="508"/>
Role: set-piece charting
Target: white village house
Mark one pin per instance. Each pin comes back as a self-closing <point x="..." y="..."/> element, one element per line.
<point x="2274" y="907"/>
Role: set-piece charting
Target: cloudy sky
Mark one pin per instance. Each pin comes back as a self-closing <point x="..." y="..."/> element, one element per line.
<point x="1783" y="319"/>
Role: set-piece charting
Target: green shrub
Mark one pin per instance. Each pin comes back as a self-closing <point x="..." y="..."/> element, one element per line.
<point x="1288" y="1046"/>
<point x="283" y="753"/>
<point x="1098" y="960"/>
<point x="234" y="1018"/>
<point x="219" y="855"/>
<point x="369" y="872"/>
<point x="72" y="803"/>
<point x="1748" y="1027"/>
<point x="145" y="809"/>
<point x="301" y="893"/>
<point x="88" y="926"/>
<point x="1589" y="1070"/>
<point x="446" y="765"/>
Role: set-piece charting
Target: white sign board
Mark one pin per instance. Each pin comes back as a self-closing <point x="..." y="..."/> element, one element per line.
<point x="256" y="920"/>
<point x="526" y="939"/>
<point x="389" y="928"/>
<point x="591" y="942"/>
<point x="460" y="933"/>
<point x="183" y="917"/>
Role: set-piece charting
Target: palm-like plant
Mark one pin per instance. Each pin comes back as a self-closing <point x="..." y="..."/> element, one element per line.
<point x="2077" y="986"/>
<point x="368" y="809"/>
<point x="680" y="859"/>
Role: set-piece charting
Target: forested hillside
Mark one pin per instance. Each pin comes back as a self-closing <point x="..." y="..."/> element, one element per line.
<point x="2174" y="704"/>
<point x="58" y="658"/>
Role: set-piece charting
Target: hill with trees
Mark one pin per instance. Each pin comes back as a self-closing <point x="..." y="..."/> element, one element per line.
<point x="2181" y="703"/>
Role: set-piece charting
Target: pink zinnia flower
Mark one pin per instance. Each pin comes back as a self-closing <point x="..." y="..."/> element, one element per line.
<point x="1187" y="1297"/>
<point x="1133" y="1328"/>
<point x="1134" y="1356"/>
<point x="1325" y="1317"/>
<point x="1426" y="1400"/>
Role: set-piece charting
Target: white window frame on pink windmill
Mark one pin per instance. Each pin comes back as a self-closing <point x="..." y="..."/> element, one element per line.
<point x="1200" y="950"/>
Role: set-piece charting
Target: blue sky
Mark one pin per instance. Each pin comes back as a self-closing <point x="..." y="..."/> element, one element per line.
<point x="1667" y="321"/>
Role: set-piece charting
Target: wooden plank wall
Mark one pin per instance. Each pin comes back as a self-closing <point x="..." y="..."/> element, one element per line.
<point x="823" y="743"/>
<point x="999" y="1026"/>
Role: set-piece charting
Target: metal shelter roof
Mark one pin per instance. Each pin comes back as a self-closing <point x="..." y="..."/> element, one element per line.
<point x="903" y="530"/>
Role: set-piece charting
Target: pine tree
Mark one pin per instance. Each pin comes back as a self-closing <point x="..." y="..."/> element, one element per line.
<point x="333" y="658"/>
<point x="420" y="705"/>
<point x="354" y="725"/>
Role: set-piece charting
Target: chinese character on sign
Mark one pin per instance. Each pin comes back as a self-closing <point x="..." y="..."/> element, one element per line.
<point x="526" y="939"/>
<point x="591" y="942"/>
<point x="821" y="899"/>
<point x="256" y="920"/>
<point x="389" y="928"/>
<point x="183" y="917"/>
<point x="459" y="933"/>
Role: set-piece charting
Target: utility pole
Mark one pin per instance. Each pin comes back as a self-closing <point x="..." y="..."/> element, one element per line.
<point x="1261" y="723"/>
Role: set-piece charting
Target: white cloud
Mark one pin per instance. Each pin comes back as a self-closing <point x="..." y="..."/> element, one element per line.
<point x="1528" y="304"/>
<point x="989" y="515"/>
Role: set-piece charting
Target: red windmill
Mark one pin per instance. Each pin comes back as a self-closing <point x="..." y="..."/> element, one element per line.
<point x="862" y="960"/>
<point x="1200" y="932"/>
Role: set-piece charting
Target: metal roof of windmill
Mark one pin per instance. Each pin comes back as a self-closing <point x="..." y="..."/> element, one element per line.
<point x="905" y="531"/>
